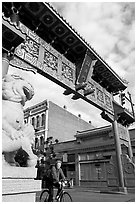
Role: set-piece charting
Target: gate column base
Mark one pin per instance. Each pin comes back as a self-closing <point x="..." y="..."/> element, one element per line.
<point x="122" y="190"/>
<point x="19" y="184"/>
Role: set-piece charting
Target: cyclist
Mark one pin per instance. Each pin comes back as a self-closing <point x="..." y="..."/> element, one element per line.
<point x="53" y="176"/>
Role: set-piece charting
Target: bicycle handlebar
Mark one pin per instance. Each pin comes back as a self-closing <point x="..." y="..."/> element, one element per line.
<point x="68" y="184"/>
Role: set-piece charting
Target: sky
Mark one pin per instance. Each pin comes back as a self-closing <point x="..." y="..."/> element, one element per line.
<point x="110" y="29"/>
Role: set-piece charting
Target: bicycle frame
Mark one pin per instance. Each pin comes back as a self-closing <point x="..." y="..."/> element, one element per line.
<point x="57" y="199"/>
<point x="60" y="194"/>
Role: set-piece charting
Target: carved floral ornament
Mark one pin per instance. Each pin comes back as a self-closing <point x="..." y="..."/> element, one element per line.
<point x="31" y="52"/>
<point x="67" y="72"/>
<point x="129" y="168"/>
<point x="51" y="60"/>
<point x="128" y="165"/>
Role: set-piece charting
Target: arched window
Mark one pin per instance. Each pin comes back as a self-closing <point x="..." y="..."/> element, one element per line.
<point x="38" y="121"/>
<point x="41" y="140"/>
<point x="25" y="121"/>
<point x="36" y="142"/>
<point x="33" y="122"/>
<point x="43" y="120"/>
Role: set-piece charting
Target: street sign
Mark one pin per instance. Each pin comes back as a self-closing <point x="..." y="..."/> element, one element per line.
<point x="86" y="68"/>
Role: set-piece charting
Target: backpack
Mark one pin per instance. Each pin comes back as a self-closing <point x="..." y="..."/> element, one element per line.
<point x="47" y="174"/>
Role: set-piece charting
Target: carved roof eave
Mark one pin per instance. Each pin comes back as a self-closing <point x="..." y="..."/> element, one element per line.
<point x="86" y="44"/>
<point x="92" y="132"/>
<point x="16" y="62"/>
<point x="83" y="148"/>
<point x="117" y="78"/>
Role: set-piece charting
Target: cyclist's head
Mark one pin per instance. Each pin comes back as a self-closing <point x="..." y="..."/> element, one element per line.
<point x="58" y="163"/>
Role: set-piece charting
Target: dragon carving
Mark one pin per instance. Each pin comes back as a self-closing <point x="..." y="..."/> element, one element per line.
<point x="15" y="133"/>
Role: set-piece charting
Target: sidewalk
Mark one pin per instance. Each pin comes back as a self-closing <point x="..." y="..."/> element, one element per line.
<point x="89" y="195"/>
<point x="83" y="195"/>
<point x="129" y="197"/>
<point x="103" y="190"/>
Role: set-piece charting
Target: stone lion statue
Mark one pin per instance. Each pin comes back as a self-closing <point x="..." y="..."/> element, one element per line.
<point x="15" y="133"/>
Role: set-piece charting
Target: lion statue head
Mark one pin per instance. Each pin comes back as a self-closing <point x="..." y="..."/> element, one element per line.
<point x="17" y="89"/>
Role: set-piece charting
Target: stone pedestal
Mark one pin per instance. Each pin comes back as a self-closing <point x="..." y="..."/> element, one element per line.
<point x="18" y="184"/>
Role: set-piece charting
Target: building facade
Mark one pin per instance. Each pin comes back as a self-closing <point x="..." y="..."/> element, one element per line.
<point x="90" y="159"/>
<point x="89" y="154"/>
<point x="50" y="120"/>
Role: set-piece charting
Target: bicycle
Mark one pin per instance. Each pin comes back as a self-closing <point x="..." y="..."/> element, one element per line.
<point x="62" y="197"/>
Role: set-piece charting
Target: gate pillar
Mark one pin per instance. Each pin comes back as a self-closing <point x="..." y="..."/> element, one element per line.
<point x="118" y="157"/>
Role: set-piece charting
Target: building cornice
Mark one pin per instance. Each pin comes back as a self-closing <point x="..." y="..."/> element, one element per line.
<point x="41" y="104"/>
<point x="95" y="131"/>
<point x="80" y="148"/>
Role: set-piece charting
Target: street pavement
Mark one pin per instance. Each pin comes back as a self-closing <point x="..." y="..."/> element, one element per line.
<point x="88" y="195"/>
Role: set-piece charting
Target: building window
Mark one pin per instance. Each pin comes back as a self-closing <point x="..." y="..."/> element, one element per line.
<point x="25" y="121"/>
<point x="38" y="121"/>
<point x="33" y="122"/>
<point x="41" y="140"/>
<point x="71" y="157"/>
<point x="83" y="157"/>
<point x="36" y="142"/>
<point x="43" y="120"/>
<point x="90" y="156"/>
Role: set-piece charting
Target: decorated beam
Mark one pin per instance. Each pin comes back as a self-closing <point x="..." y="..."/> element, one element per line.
<point x="50" y="26"/>
<point x="37" y="55"/>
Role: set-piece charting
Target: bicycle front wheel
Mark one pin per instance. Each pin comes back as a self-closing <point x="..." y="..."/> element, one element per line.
<point x="65" y="197"/>
<point x="44" y="196"/>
